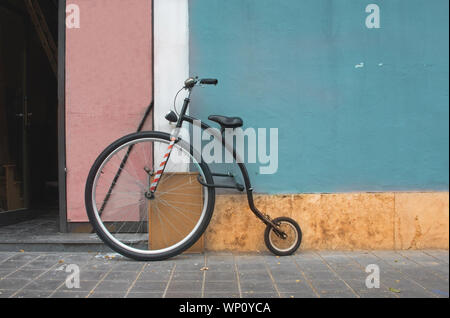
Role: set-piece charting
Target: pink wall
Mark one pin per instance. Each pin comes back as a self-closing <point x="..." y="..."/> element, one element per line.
<point x="108" y="84"/>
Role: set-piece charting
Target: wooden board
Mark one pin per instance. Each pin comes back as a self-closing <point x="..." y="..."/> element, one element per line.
<point x="188" y="196"/>
<point x="14" y="200"/>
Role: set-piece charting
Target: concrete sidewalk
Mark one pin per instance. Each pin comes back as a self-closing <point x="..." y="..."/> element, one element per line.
<point x="306" y="274"/>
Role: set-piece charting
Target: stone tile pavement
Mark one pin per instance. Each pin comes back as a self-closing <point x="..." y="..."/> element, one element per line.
<point x="403" y="274"/>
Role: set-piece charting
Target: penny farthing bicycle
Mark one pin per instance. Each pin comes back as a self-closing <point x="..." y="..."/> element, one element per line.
<point x="150" y="196"/>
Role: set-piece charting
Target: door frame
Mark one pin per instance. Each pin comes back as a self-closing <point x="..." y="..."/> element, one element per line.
<point x="62" y="168"/>
<point x="11" y="217"/>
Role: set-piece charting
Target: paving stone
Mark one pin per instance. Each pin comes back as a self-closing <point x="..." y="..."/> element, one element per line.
<point x="15" y="265"/>
<point x="221" y="268"/>
<point x="158" y="269"/>
<point x="176" y="294"/>
<point x="5" y="256"/>
<point x="121" y="276"/>
<point x="358" y="285"/>
<point x="23" y="257"/>
<point x="286" y="276"/>
<point x="6" y="293"/>
<point x="92" y="275"/>
<point x="251" y="267"/>
<point x="330" y="286"/>
<point x="54" y="258"/>
<point x="441" y="255"/>
<point x="103" y="294"/>
<point x="3" y="273"/>
<point x="287" y="268"/>
<point x="303" y="294"/>
<point x="312" y="266"/>
<point x="85" y="286"/>
<point x="32" y="294"/>
<point x="224" y="259"/>
<point x="231" y="287"/>
<point x="36" y="265"/>
<point x="128" y="267"/>
<point x="338" y="294"/>
<point x="69" y="294"/>
<point x="252" y="276"/>
<point x="352" y="274"/>
<point x="377" y="293"/>
<point x="257" y="286"/>
<point x="185" y="286"/>
<point x="189" y="267"/>
<point x="220" y="276"/>
<point x="112" y="286"/>
<point x="260" y="295"/>
<point x="243" y="259"/>
<point x="430" y="282"/>
<point x="13" y="283"/>
<point x="148" y="287"/>
<point x="155" y="276"/>
<point x="440" y="293"/>
<point x="415" y="294"/>
<point x="43" y="284"/>
<point x="26" y="274"/>
<point x="395" y="259"/>
<point x="320" y="275"/>
<point x="404" y="285"/>
<point x="188" y="276"/>
<point x="293" y="287"/>
<point x="145" y="295"/>
<point x="220" y="295"/>
<point x="103" y="267"/>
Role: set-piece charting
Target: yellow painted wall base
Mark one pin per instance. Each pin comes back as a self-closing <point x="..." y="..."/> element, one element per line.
<point x="352" y="221"/>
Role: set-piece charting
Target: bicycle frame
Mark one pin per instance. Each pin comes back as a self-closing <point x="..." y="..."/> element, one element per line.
<point x="218" y="136"/>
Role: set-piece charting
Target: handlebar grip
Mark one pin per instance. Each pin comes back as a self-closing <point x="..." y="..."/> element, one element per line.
<point x="209" y="81"/>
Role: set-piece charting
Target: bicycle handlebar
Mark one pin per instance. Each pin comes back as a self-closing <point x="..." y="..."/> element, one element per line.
<point x="209" y="81"/>
<point x="192" y="81"/>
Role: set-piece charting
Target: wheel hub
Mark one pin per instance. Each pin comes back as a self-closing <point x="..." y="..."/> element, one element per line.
<point x="149" y="195"/>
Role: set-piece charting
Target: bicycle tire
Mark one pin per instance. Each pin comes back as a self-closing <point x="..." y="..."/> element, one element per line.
<point x="100" y="229"/>
<point x="272" y="246"/>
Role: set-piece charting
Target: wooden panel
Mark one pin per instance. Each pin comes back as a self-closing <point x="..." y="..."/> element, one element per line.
<point x="176" y="224"/>
<point x="13" y="195"/>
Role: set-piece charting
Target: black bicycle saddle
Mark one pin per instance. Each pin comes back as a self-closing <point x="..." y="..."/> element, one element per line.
<point x="227" y="122"/>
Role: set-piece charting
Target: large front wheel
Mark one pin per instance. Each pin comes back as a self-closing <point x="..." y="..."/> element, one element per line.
<point x="132" y="221"/>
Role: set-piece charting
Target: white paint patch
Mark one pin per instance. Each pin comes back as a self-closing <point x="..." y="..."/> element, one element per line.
<point x="171" y="23"/>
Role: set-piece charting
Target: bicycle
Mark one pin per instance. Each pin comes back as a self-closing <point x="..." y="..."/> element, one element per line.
<point x="149" y="195"/>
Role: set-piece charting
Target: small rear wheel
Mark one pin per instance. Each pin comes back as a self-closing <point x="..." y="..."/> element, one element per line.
<point x="283" y="246"/>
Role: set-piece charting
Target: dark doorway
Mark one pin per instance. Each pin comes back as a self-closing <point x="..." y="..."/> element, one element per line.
<point x="28" y="107"/>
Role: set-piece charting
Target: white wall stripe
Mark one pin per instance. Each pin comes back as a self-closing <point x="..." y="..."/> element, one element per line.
<point x="171" y="23"/>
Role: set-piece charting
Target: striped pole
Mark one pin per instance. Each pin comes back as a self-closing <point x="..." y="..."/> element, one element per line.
<point x="162" y="166"/>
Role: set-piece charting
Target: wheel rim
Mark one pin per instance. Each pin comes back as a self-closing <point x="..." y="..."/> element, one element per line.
<point x="280" y="244"/>
<point x="151" y="212"/>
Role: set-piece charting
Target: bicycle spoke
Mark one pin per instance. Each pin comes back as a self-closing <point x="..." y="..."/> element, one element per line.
<point x="149" y="225"/>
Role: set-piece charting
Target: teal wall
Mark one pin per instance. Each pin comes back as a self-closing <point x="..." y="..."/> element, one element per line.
<point x="291" y="64"/>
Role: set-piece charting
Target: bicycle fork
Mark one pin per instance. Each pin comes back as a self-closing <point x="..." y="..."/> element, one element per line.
<point x="151" y="193"/>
